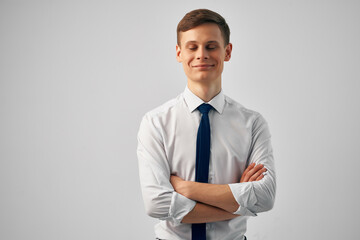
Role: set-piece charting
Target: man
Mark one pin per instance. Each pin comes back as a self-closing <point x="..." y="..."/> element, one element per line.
<point x="203" y="156"/>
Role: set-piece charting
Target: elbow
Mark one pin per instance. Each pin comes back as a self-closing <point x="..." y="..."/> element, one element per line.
<point x="262" y="206"/>
<point x="157" y="209"/>
<point x="153" y="212"/>
<point x="150" y="210"/>
<point x="157" y="202"/>
<point x="265" y="200"/>
<point x="267" y="205"/>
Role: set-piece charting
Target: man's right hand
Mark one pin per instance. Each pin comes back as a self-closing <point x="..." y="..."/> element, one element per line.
<point x="253" y="173"/>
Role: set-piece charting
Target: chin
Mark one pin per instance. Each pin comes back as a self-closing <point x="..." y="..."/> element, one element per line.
<point x="205" y="77"/>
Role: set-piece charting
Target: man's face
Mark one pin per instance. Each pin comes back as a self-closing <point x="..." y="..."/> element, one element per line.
<point x="202" y="53"/>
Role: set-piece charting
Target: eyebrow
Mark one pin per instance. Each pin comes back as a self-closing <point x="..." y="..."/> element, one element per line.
<point x="192" y="42"/>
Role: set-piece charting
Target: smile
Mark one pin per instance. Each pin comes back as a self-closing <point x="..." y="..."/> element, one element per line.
<point x="203" y="66"/>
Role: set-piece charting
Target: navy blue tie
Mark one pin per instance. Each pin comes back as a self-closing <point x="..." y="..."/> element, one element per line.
<point x="202" y="162"/>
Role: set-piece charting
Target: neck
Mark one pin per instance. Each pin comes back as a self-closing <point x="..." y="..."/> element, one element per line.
<point x="204" y="91"/>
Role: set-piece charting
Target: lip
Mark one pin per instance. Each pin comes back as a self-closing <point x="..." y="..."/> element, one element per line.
<point x="203" y="66"/>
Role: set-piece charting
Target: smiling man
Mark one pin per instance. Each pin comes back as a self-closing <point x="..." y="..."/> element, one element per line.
<point x="205" y="161"/>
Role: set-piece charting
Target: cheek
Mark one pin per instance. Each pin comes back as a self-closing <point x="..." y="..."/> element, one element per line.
<point x="186" y="66"/>
<point x="188" y="61"/>
<point x="220" y="66"/>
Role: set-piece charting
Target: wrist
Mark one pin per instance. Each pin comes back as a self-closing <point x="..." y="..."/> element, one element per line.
<point x="187" y="189"/>
<point x="193" y="189"/>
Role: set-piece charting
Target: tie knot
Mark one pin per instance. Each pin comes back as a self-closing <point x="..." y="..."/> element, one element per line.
<point x="205" y="108"/>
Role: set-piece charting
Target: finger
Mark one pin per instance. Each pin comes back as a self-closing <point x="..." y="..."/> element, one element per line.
<point x="252" y="172"/>
<point x="257" y="174"/>
<point x="174" y="178"/>
<point x="260" y="177"/>
<point x="257" y="168"/>
<point x="246" y="171"/>
<point x="251" y="166"/>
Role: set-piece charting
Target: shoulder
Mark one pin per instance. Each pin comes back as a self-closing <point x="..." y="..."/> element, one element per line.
<point x="151" y="122"/>
<point x="161" y="113"/>
<point x="164" y="108"/>
<point x="240" y="109"/>
<point x="250" y="118"/>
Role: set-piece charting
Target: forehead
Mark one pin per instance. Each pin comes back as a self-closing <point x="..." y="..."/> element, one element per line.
<point x="202" y="33"/>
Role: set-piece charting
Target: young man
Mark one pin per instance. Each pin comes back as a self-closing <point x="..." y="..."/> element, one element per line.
<point x="203" y="156"/>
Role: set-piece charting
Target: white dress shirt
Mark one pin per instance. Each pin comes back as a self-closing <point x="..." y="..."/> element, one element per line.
<point x="167" y="145"/>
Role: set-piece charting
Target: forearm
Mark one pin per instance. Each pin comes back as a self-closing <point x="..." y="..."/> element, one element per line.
<point x="217" y="195"/>
<point x="203" y="213"/>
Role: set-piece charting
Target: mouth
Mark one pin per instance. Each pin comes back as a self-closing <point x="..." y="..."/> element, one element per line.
<point x="203" y="66"/>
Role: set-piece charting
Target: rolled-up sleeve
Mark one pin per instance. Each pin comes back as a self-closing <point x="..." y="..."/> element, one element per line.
<point x="160" y="199"/>
<point x="257" y="196"/>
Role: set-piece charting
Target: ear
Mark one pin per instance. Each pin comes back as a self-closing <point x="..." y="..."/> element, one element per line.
<point x="178" y="53"/>
<point x="228" y="50"/>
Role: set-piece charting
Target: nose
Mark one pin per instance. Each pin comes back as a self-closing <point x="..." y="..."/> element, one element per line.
<point x="202" y="53"/>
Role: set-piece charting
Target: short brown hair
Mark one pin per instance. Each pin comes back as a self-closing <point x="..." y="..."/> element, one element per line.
<point x="200" y="16"/>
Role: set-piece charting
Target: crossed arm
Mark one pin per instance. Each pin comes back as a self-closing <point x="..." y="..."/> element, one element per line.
<point x="215" y="202"/>
<point x="193" y="202"/>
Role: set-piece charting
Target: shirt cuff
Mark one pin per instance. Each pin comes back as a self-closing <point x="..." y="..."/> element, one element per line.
<point x="245" y="196"/>
<point x="180" y="207"/>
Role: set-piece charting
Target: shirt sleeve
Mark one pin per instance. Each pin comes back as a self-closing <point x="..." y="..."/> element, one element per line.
<point x="257" y="196"/>
<point x="160" y="199"/>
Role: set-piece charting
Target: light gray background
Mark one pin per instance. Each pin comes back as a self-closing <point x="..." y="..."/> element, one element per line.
<point x="77" y="76"/>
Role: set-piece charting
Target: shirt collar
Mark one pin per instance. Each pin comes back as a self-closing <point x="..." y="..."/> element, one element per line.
<point x="193" y="101"/>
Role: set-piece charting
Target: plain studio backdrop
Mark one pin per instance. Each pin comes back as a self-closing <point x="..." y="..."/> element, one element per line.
<point x="77" y="77"/>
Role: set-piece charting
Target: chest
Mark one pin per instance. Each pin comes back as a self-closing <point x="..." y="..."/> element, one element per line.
<point x="229" y="148"/>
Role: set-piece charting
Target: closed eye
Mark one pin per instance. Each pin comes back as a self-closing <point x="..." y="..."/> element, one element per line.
<point x="211" y="47"/>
